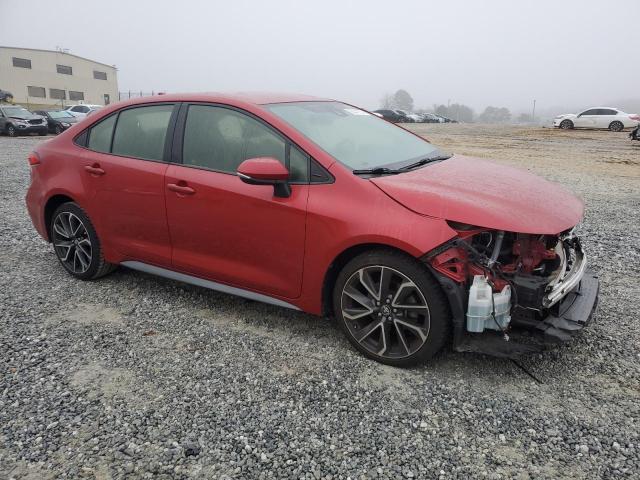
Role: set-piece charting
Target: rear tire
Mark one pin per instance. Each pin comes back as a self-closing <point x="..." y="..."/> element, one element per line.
<point x="566" y="125"/>
<point x="616" y="126"/>
<point x="390" y="308"/>
<point x="76" y="243"/>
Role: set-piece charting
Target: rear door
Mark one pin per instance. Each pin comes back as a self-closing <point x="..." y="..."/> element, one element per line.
<point x="123" y="172"/>
<point x="226" y="230"/>
<point x="605" y="117"/>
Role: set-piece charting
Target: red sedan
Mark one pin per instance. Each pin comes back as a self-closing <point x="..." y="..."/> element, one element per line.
<point x="320" y="206"/>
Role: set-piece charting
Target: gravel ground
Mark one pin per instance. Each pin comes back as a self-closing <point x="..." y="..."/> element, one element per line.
<point x="137" y="377"/>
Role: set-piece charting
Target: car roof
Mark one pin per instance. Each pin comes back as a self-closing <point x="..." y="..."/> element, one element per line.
<point x="608" y="108"/>
<point x="254" y="98"/>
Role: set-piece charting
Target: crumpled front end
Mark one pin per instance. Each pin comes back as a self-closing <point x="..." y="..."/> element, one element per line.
<point x="513" y="293"/>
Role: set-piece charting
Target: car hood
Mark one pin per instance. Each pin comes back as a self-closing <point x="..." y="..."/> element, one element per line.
<point x="482" y="193"/>
<point x="27" y="118"/>
<point x="567" y="115"/>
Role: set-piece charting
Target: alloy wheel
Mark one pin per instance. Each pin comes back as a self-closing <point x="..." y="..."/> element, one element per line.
<point x="385" y="312"/>
<point x="11" y="131"/>
<point x="72" y="243"/>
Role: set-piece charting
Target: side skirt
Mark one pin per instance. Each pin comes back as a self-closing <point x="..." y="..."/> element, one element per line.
<point x="201" y="282"/>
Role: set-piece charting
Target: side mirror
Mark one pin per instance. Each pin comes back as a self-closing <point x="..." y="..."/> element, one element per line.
<point x="266" y="171"/>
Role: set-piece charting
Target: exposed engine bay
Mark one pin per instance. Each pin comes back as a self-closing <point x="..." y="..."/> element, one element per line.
<point x="512" y="280"/>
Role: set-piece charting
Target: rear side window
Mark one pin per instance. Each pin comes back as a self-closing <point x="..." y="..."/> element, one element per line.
<point x="607" y="111"/>
<point x="141" y="132"/>
<point x="100" y="135"/>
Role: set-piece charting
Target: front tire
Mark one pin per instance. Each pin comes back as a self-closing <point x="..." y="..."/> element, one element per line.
<point x="390" y="308"/>
<point x="616" y="126"/>
<point x="76" y="243"/>
<point x="566" y="125"/>
<point x="11" y="131"/>
<point x="57" y="130"/>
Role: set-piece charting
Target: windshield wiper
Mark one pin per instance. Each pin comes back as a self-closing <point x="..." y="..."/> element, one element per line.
<point x="376" y="171"/>
<point x="424" y="161"/>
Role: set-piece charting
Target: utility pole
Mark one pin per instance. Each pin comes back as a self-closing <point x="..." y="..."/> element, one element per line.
<point x="533" y="113"/>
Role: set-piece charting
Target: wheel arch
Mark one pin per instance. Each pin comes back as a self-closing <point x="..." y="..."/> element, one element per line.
<point x="52" y="204"/>
<point x="338" y="264"/>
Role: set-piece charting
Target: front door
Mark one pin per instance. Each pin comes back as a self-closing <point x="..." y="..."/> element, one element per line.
<point x="587" y="119"/>
<point x="226" y="230"/>
<point x="123" y="172"/>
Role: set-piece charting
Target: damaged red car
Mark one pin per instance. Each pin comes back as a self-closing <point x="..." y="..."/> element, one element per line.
<point x="319" y="206"/>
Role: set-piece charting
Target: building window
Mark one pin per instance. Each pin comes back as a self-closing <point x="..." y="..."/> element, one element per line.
<point x="76" y="95"/>
<point x="64" y="69"/>
<point x="21" y="62"/>
<point x="57" y="94"/>
<point x="99" y="75"/>
<point x="39" y="92"/>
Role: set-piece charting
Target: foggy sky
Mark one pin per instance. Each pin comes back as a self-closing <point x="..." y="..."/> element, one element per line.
<point x="501" y="53"/>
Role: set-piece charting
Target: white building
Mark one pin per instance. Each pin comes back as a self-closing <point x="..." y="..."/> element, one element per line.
<point x="49" y="77"/>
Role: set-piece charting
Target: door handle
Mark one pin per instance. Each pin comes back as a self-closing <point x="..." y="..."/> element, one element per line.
<point x="181" y="188"/>
<point x="94" y="169"/>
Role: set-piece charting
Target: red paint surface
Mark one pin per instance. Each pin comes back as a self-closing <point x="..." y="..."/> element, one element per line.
<point x="486" y="194"/>
<point x="214" y="226"/>
<point x="263" y="168"/>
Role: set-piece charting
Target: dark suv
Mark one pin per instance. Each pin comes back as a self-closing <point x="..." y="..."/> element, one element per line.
<point x="17" y="120"/>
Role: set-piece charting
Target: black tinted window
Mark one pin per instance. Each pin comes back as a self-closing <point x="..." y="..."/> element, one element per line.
<point x="141" y="132"/>
<point x="593" y="111"/>
<point x="100" y="135"/>
<point x="607" y="111"/>
<point x="298" y="165"/>
<point x="221" y="139"/>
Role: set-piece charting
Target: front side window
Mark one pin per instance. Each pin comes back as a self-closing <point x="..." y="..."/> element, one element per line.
<point x="221" y="139"/>
<point x="141" y="132"/>
<point x="593" y="111"/>
<point x="352" y="136"/>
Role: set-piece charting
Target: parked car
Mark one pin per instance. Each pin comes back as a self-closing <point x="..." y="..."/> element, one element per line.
<point x="16" y="120"/>
<point x="409" y="117"/>
<point x="393" y="116"/>
<point x="6" y="96"/>
<point x="82" y="111"/>
<point x="246" y="194"/>
<point x="57" y="120"/>
<point x="601" y="117"/>
<point x="430" y="118"/>
<point x="446" y="119"/>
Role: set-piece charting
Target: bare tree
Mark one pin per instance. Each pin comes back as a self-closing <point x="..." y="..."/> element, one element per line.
<point x="403" y="100"/>
<point x="387" y="101"/>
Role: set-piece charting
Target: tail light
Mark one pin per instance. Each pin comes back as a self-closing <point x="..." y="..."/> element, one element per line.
<point x="34" y="159"/>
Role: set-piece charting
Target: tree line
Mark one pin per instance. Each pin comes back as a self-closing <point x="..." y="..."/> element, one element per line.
<point x="402" y="100"/>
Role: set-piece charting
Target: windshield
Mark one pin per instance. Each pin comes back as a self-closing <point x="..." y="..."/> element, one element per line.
<point x="352" y="136"/>
<point x="17" y="112"/>
<point x="60" y="114"/>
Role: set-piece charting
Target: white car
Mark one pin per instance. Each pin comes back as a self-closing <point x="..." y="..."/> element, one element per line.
<point x="83" y="110"/>
<point x="599" y="117"/>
